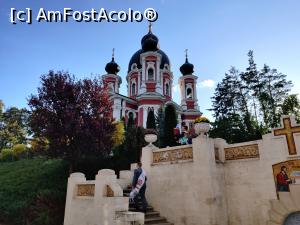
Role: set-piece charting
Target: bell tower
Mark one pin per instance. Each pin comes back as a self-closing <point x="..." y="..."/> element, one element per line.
<point x="112" y="79"/>
<point x="187" y="84"/>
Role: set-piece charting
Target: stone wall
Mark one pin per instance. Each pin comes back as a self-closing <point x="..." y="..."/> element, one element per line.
<point x="186" y="184"/>
<point x="213" y="183"/>
<point x="250" y="184"/>
<point x="99" y="201"/>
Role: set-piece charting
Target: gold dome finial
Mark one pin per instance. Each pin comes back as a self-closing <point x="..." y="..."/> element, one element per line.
<point x="186" y="53"/>
<point x="113" y="52"/>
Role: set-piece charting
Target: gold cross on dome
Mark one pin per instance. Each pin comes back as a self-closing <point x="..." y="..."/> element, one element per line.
<point x="288" y="130"/>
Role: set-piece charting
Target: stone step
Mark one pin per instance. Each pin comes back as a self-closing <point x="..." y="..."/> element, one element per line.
<point x="132" y="204"/>
<point x="152" y="214"/>
<point x="126" y="190"/>
<point x="162" y="223"/>
<point x="149" y="208"/>
<point x="155" y="220"/>
<point x="151" y="217"/>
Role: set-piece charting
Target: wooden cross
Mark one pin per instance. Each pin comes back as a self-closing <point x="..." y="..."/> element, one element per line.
<point x="288" y="130"/>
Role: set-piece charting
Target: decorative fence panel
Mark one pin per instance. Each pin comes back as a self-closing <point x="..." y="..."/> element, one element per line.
<point x="173" y="155"/>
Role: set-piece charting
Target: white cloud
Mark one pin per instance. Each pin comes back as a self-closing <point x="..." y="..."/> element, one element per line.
<point x="175" y="88"/>
<point x="296" y="89"/>
<point x="206" y="84"/>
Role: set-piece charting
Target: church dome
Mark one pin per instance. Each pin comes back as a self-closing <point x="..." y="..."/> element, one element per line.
<point x="136" y="59"/>
<point x="187" y="68"/>
<point x="149" y="42"/>
<point x="112" y="67"/>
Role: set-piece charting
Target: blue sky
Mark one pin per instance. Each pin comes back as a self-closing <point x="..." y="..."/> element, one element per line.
<point x="218" y="35"/>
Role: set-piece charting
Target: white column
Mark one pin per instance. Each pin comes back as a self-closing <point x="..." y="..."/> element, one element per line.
<point x="143" y="86"/>
<point x="145" y="112"/>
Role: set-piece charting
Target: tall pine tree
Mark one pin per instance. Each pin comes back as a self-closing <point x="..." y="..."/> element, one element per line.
<point x="248" y="104"/>
<point x="160" y="124"/>
<point x="151" y="120"/>
<point x="170" y="124"/>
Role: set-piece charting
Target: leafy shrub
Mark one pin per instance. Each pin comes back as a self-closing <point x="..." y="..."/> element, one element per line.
<point x="20" y="151"/>
<point x="7" y="155"/>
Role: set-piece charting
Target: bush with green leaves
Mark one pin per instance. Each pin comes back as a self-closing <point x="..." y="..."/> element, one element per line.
<point x="33" y="192"/>
<point x="7" y="155"/>
<point x="20" y="151"/>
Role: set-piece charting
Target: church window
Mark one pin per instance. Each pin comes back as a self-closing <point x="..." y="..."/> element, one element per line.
<point x="167" y="89"/>
<point x="189" y="93"/>
<point x="133" y="66"/>
<point x="111" y="86"/>
<point x="150" y="109"/>
<point x="133" y="89"/>
<point x="150" y="74"/>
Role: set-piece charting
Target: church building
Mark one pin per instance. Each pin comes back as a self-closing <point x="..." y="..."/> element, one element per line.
<point x="149" y="85"/>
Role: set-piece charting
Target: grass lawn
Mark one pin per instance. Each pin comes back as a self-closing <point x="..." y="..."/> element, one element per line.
<point x="33" y="192"/>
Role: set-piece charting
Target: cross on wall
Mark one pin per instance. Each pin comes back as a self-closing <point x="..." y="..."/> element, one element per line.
<point x="288" y="131"/>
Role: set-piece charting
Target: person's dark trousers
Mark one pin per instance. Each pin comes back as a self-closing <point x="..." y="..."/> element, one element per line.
<point x="143" y="199"/>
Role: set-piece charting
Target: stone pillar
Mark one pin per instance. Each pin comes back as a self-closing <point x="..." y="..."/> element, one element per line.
<point x="147" y="154"/>
<point x="72" y="181"/>
<point x="98" y="202"/>
<point x="213" y="203"/>
<point x="220" y="144"/>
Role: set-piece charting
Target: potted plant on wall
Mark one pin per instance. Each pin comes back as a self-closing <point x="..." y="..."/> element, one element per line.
<point x="202" y="125"/>
<point x="150" y="132"/>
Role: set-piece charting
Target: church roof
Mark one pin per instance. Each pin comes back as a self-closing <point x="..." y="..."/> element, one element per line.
<point x="136" y="59"/>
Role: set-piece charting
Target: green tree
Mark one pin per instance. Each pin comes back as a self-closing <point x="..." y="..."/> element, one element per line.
<point x="170" y="124"/>
<point x="291" y="105"/>
<point x="230" y="128"/>
<point x="130" y="122"/>
<point x="133" y="143"/>
<point x="151" y="120"/>
<point x="160" y="123"/>
<point x="1" y="106"/>
<point x="13" y="126"/>
<point x="275" y="90"/>
<point x="248" y="102"/>
<point x="252" y="83"/>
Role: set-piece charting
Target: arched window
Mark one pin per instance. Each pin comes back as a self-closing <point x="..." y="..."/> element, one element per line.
<point x="133" y="89"/>
<point x="167" y="89"/>
<point x="130" y="115"/>
<point x="134" y="67"/>
<point x="150" y="74"/>
<point x="111" y="87"/>
<point x="189" y="92"/>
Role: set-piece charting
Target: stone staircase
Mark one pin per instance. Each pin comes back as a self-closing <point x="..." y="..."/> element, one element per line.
<point x="151" y="217"/>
